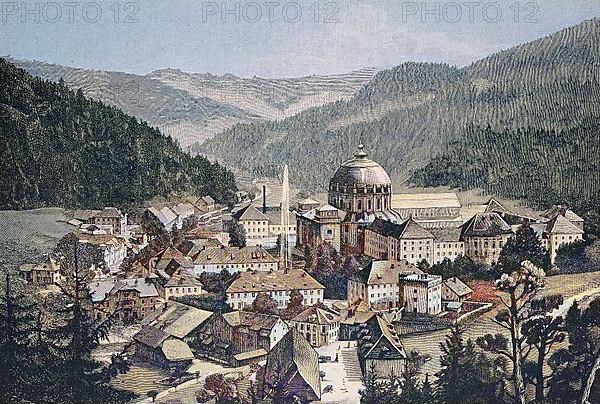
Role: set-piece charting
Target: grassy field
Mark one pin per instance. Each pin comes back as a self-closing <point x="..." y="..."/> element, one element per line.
<point x="28" y="234"/>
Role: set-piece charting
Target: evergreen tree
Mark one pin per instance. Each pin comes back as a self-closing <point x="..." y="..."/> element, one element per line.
<point x="467" y="376"/>
<point x="410" y="392"/>
<point x="524" y="246"/>
<point x="427" y="392"/>
<point x="18" y="344"/>
<point x="75" y="333"/>
<point x="237" y="235"/>
<point x="378" y="389"/>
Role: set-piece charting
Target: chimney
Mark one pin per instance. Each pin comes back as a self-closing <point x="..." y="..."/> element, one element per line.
<point x="264" y="192"/>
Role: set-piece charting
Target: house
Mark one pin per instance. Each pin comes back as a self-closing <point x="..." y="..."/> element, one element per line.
<point x="167" y="334"/>
<point x="377" y="284"/>
<point x="263" y="226"/>
<point x="129" y="299"/>
<point x="380" y="349"/>
<point x="165" y="216"/>
<point x="170" y="256"/>
<point x="113" y="217"/>
<point x="113" y="249"/>
<point x="446" y="244"/>
<point x="292" y="363"/>
<point x="241" y="337"/>
<point x="421" y="293"/>
<point x="319" y="325"/>
<point x="563" y="210"/>
<point x="560" y="231"/>
<point x="454" y="290"/>
<point x="205" y="204"/>
<point x="43" y="274"/>
<point x="411" y="242"/>
<point x="176" y="281"/>
<point x="277" y="284"/>
<point x="484" y="235"/>
<point x="234" y="260"/>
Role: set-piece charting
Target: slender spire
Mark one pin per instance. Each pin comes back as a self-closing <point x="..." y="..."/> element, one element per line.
<point x="284" y="250"/>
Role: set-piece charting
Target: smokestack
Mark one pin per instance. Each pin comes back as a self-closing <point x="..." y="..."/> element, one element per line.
<point x="264" y="208"/>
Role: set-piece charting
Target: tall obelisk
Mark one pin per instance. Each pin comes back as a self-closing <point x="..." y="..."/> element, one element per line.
<point x="284" y="248"/>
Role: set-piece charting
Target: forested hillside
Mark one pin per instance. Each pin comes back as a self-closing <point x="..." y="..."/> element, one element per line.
<point x="408" y="115"/>
<point x="62" y="149"/>
<point x="540" y="166"/>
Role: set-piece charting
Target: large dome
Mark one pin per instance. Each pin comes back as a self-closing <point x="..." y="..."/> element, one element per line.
<point x="359" y="171"/>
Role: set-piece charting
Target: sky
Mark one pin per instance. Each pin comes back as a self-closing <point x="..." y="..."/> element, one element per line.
<point x="278" y="38"/>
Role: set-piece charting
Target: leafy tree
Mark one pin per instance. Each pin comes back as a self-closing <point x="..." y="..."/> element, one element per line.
<point x="211" y="301"/>
<point x="542" y="331"/>
<point x="265" y="304"/>
<point x="223" y="388"/>
<point x="295" y="305"/>
<point x="237" y="235"/>
<point x="520" y="286"/>
<point x="524" y="246"/>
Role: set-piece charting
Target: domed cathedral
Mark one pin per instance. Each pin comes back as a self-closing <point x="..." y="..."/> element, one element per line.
<point x="359" y="192"/>
<point x="363" y="189"/>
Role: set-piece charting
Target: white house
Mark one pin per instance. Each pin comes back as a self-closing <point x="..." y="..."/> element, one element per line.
<point x="277" y="284"/>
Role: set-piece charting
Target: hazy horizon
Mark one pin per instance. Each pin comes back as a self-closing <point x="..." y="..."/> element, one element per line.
<point x="275" y="39"/>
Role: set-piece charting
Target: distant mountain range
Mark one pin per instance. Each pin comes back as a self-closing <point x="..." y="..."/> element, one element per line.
<point x="408" y="115"/>
<point x="194" y="107"/>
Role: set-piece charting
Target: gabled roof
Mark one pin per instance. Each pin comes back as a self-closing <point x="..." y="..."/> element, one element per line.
<point x="183" y="209"/>
<point x="485" y="225"/>
<point x="182" y="278"/>
<point x="142" y="286"/>
<point x="408" y="230"/>
<point x="317" y="315"/>
<point x="562" y="210"/>
<point x="385" y="272"/>
<point x="151" y="336"/>
<point x="234" y="255"/>
<point x="164" y="258"/>
<point x="561" y="225"/>
<point x="109" y="212"/>
<point x="177" y="319"/>
<point x="250" y="212"/>
<point x="293" y="353"/>
<point x="309" y="201"/>
<point x="457" y="286"/>
<point x="448" y="234"/>
<point x="494" y="206"/>
<point x="254" y="321"/>
<point x="262" y="281"/>
<point x="388" y="345"/>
